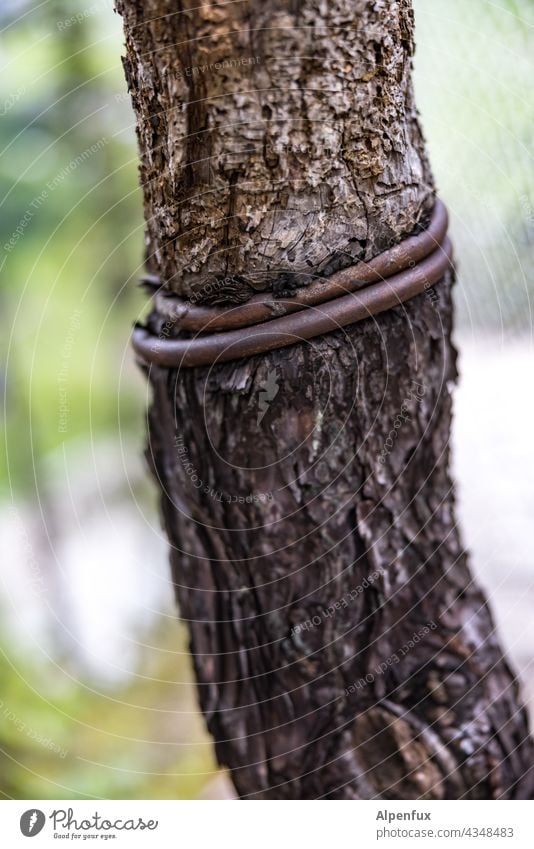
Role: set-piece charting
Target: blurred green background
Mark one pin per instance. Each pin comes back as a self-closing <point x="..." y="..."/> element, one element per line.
<point x="96" y="694"/>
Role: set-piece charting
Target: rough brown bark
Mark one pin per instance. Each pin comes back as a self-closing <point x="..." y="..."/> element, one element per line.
<point x="340" y="645"/>
<point x="275" y="136"/>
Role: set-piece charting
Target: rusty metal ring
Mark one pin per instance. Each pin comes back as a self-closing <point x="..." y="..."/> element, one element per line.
<point x="291" y="329"/>
<point x="263" y="307"/>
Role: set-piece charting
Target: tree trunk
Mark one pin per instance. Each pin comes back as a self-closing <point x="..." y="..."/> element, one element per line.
<point x="340" y="645"/>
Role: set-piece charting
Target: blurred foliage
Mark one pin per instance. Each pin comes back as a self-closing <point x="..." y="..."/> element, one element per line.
<point x="474" y="67"/>
<point x="63" y="95"/>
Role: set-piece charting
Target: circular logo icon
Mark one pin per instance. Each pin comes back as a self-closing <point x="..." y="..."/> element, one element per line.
<point x="32" y="822"/>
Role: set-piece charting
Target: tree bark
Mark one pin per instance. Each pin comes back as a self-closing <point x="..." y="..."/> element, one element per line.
<point x="341" y="647"/>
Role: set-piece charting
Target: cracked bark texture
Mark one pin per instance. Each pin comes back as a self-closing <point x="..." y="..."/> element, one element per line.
<point x="278" y="139"/>
<point x="341" y="647"/>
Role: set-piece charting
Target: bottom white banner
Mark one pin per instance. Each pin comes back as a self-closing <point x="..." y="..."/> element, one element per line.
<point x="252" y="824"/>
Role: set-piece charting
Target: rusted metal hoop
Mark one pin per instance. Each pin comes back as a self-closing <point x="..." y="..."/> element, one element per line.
<point x="413" y="279"/>
<point x="263" y="307"/>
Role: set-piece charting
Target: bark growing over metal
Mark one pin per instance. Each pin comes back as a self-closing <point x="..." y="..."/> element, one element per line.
<point x="341" y="647"/>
